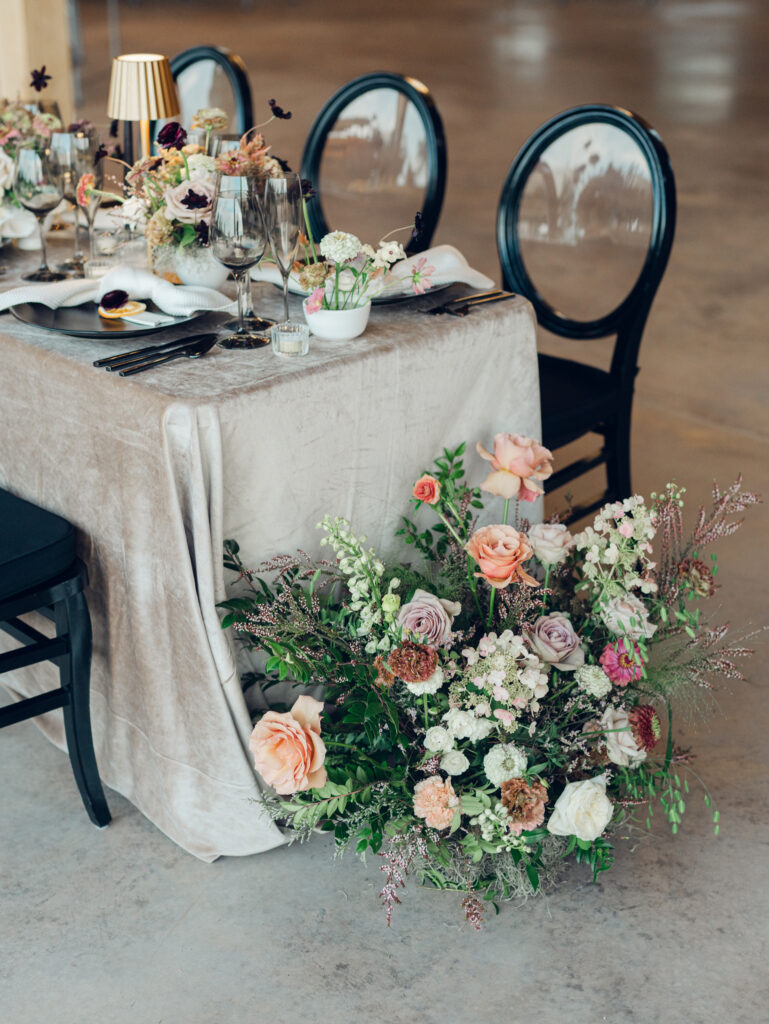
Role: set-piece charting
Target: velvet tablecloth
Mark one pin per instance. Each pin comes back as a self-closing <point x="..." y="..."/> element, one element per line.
<point x="155" y="470"/>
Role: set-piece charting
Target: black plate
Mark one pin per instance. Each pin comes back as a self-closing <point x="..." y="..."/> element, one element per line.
<point x="84" y="321"/>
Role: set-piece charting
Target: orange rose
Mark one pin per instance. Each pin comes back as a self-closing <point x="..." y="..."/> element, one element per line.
<point x="500" y="552"/>
<point x="427" y="489"/>
<point x="519" y="464"/>
<point x="287" y="748"/>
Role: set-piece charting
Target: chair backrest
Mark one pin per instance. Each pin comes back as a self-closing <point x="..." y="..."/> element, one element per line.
<point x="588" y="211"/>
<point x="375" y="155"/>
<point x="212" y="76"/>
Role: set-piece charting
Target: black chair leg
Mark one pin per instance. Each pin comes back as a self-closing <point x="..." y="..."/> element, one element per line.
<point x="72" y="617"/>
<point x="618" y="461"/>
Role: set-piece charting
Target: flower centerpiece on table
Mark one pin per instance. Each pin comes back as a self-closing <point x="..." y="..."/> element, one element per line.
<point x="478" y="726"/>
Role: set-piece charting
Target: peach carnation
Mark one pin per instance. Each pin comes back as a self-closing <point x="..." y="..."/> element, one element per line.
<point x="435" y="801"/>
<point x="500" y="552"/>
<point x="427" y="489"/>
<point x="525" y="802"/>
<point x="519" y="463"/>
<point x="287" y="748"/>
<point x="413" y="663"/>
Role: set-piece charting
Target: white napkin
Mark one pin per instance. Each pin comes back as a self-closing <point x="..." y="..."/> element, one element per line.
<point x="174" y="299"/>
<point x="449" y="267"/>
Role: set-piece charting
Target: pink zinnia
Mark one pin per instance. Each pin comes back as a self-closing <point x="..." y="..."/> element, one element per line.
<point x="620" y="664"/>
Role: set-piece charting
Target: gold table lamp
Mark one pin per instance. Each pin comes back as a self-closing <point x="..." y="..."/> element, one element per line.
<point x="142" y="89"/>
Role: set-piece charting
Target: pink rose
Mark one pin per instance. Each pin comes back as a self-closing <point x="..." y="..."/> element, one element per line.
<point x="287" y="748"/>
<point x="500" y="552"/>
<point x="554" y="640"/>
<point x="550" y="542"/>
<point x="427" y="489"/>
<point x="429" y="618"/>
<point x="435" y="801"/>
<point x="519" y="463"/>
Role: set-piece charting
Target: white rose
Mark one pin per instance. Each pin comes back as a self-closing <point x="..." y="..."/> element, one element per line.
<point x="481" y="729"/>
<point x="454" y="762"/>
<point x="618" y="612"/>
<point x="437" y="740"/>
<point x="621" y="746"/>
<point x="174" y="198"/>
<point x="460" y="724"/>
<point x="550" y="542"/>
<point x="431" y="685"/>
<point x="504" y="761"/>
<point x="582" y="810"/>
<point x="6" y="170"/>
<point x="593" y="680"/>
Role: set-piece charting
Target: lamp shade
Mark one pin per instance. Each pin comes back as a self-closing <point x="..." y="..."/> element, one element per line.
<point x="142" y="88"/>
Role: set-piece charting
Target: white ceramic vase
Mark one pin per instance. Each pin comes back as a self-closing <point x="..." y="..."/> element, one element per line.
<point x="338" y="324"/>
<point x="196" y="265"/>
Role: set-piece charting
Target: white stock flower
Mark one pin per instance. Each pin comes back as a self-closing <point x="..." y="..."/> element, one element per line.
<point x="627" y="616"/>
<point x="438" y="740"/>
<point x="340" y="246"/>
<point x="454" y="762"/>
<point x="593" y="680"/>
<point x="504" y="761"/>
<point x="550" y="542"/>
<point x="621" y="746"/>
<point x="582" y="810"/>
<point x="460" y="724"/>
<point x="431" y="685"/>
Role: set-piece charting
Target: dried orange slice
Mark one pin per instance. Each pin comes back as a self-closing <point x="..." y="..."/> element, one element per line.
<point x="127" y="309"/>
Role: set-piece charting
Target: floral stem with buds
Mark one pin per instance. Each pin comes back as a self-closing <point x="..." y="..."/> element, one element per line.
<point x="493" y="591"/>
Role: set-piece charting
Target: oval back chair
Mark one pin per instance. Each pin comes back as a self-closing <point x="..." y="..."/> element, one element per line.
<point x="375" y="155"/>
<point x="588" y="210"/>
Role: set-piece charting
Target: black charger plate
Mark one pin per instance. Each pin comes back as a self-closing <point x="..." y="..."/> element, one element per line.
<point x="84" y="321"/>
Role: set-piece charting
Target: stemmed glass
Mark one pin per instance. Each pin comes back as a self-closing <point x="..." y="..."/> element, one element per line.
<point x="90" y="165"/>
<point x="282" y="206"/>
<point x="237" y="237"/>
<point x="67" y="150"/>
<point x="37" y="187"/>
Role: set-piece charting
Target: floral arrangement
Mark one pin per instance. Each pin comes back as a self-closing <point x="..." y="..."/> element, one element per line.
<point x="502" y="703"/>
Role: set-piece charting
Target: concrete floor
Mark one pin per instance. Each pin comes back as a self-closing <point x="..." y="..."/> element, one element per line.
<point x="121" y="926"/>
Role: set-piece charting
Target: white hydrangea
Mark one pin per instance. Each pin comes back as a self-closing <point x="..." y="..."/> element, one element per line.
<point x="454" y="762"/>
<point x="431" y="685"/>
<point x="438" y="740"/>
<point x="593" y="680"/>
<point x="201" y="166"/>
<point x="340" y="246"/>
<point x="504" y="761"/>
<point x="460" y="724"/>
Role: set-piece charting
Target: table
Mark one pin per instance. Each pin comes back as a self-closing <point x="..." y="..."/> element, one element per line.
<point x="156" y="470"/>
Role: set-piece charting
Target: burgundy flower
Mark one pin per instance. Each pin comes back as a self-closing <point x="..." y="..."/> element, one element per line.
<point x="645" y="725"/>
<point x="194" y="201"/>
<point x="40" y="79"/>
<point x="201" y="230"/>
<point x="279" y="112"/>
<point x="100" y="153"/>
<point x="307" y="189"/>
<point x="419" y="228"/>
<point x="285" y="166"/>
<point x="172" y="136"/>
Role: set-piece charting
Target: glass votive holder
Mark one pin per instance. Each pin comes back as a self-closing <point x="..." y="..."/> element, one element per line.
<point x="290" y="338"/>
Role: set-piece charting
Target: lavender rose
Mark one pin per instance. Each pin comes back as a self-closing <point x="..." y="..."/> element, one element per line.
<point x="554" y="640"/>
<point x="190" y="201"/>
<point x="429" y="618"/>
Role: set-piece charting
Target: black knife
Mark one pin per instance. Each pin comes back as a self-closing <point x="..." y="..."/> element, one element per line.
<point x="198" y="348"/>
<point x="149" y="350"/>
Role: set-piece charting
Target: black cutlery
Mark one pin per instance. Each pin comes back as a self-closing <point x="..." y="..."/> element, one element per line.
<point x="463" y="309"/>
<point x="444" y="307"/>
<point x="138" y="353"/>
<point x="190" y="351"/>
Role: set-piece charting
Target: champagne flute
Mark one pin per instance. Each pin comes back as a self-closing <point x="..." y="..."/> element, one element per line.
<point x="237" y="237"/>
<point x="66" y="153"/>
<point x="37" y="187"/>
<point x="282" y="205"/>
<point x="90" y="169"/>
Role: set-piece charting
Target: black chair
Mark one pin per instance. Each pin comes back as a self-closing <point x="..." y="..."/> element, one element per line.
<point x="589" y="208"/>
<point x="375" y="155"/>
<point x="39" y="572"/>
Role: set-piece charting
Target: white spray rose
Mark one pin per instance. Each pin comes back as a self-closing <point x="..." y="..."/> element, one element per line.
<point x="460" y="724"/>
<point x="431" y="685"/>
<point x="582" y="810"/>
<point x="621" y="746"/>
<point x="454" y="762"/>
<point x="438" y="740"/>
<point x="618" y="612"/>
<point x="550" y="542"/>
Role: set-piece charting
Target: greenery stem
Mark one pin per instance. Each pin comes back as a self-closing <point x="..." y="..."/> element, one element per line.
<point x="544" y="588"/>
<point x="427" y="717"/>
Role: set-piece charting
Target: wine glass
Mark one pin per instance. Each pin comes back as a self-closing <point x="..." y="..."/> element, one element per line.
<point x="90" y="184"/>
<point x="37" y="187"/>
<point x="66" y="153"/>
<point x="237" y="237"/>
<point x="282" y="204"/>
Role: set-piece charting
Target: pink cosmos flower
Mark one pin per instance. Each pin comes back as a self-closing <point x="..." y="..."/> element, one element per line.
<point x="519" y="463"/>
<point x="420" y="276"/>
<point x="620" y="664"/>
<point x="314" y="303"/>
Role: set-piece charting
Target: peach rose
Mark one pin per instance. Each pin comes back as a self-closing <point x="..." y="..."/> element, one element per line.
<point x="287" y="748"/>
<point x="435" y="801"/>
<point x="500" y="552"/>
<point x="519" y="463"/>
<point x="427" y="489"/>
